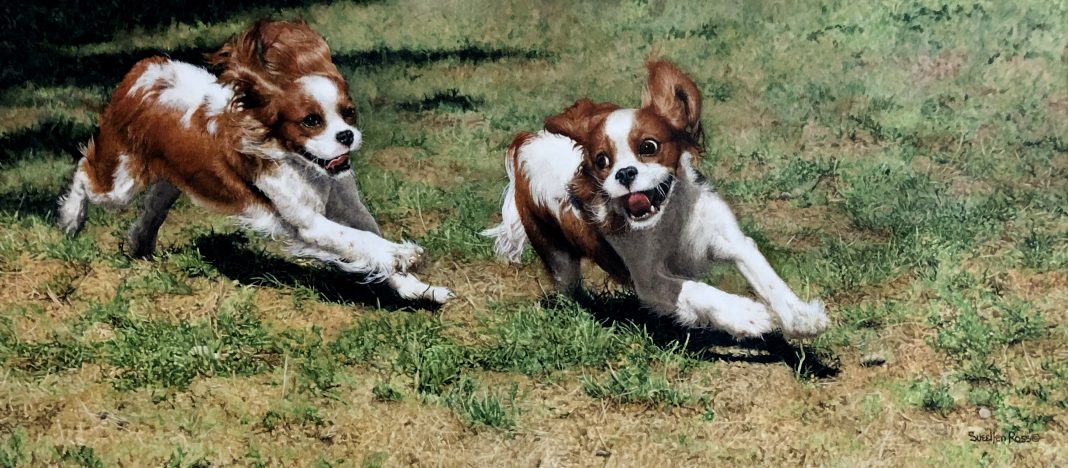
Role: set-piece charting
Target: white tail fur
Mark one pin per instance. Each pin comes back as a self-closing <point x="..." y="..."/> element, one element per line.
<point x="510" y="235"/>
<point x="73" y="205"/>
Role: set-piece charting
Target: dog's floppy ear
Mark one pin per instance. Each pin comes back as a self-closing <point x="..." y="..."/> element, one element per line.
<point x="575" y="121"/>
<point x="244" y="48"/>
<point x="251" y="89"/>
<point x="673" y="95"/>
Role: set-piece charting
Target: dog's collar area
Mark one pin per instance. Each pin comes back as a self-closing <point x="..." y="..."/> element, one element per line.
<point x="331" y="166"/>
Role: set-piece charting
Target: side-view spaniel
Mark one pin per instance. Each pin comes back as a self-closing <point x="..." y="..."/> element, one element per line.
<point x="620" y="187"/>
<point x="269" y="149"/>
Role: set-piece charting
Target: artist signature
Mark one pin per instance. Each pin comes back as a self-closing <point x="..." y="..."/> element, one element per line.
<point x="994" y="437"/>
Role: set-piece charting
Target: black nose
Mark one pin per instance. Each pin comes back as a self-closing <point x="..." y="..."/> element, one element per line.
<point x="626" y="175"/>
<point x="345" y="137"/>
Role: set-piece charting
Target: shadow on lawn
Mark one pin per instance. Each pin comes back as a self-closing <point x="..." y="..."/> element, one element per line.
<point x="33" y="202"/>
<point x="54" y="67"/>
<point x="56" y="135"/>
<point x="35" y="33"/>
<point x="710" y="345"/>
<point x="234" y="258"/>
<point x="469" y="53"/>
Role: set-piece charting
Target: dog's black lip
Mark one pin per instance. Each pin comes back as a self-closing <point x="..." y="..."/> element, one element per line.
<point x="323" y="163"/>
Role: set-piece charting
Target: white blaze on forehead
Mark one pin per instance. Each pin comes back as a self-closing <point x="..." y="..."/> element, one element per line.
<point x="323" y="90"/>
<point x="618" y="127"/>
<point x="328" y="95"/>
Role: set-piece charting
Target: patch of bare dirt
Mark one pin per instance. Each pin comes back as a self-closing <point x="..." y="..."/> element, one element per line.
<point x="799" y="228"/>
<point x="945" y="65"/>
<point x="46" y="291"/>
<point x="19" y="118"/>
<point x="817" y="139"/>
<point x="960" y="184"/>
<point x="1059" y="105"/>
<point x="429" y="170"/>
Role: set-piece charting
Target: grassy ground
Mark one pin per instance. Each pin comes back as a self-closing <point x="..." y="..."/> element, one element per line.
<point x="905" y="160"/>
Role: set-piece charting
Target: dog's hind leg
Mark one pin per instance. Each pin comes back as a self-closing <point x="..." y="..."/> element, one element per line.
<point x="142" y="235"/>
<point x="103" y="176"/>
<point x="564" y="267"/>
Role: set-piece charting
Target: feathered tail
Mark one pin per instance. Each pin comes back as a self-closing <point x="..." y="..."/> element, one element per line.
<point x="510" y="236"/>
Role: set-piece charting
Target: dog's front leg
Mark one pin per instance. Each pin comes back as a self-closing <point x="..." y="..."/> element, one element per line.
<point x="720" y="236"/>
<point x="696" y="304"/>
<point x="345" y="206"/>
<point x="362" y="251"/>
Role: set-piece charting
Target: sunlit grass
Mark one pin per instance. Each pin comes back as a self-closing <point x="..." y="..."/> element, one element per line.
<point x="905" y="161"/>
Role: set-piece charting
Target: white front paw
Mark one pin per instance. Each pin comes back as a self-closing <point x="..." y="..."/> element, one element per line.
<point x="409" y="287"/>
<point x="744" y="319"/>
<point x="381" y="263"/>
<point x="438" y="294"/>
<point x="804" y="320"/>
<point x="700" y="304"/>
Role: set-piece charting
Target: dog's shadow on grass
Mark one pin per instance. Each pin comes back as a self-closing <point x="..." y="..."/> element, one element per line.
<point x="709" y="345"/>
<point x="233" y="256"/>
<point x="32" y="202"/>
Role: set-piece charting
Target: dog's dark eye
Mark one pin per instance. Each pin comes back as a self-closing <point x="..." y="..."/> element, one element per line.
<point x="602" y="160"/>
<point x="312" y="121"/>
<point x="648" y="147"/>
<point x="348" y="113"/>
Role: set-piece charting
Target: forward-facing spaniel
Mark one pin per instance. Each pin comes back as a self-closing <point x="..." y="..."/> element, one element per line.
<point x="620" y="187"/>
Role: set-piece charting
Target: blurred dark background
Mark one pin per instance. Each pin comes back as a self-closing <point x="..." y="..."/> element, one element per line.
<point x="33" y="35"/>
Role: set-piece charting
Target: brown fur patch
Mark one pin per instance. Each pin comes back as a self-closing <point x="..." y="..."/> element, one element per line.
<point x="157" y="146"/>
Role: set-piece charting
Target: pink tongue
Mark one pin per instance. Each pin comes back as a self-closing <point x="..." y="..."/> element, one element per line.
<point x="638" y="203"/>
<point x="337" y="161"/>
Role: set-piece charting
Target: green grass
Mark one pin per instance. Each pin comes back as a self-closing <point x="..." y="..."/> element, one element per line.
<point x="51" y="357"/>
<point x="904" y="161"/>
<point x="385" y="392"/>
<point x="173" y="354"/>
<point x="635" y="383"/>
<point x="533" y="340"/>
<point x="80" y="455"/>
<point x="936" y="397"/>
<point x="496" y="410"/>
<point x="12" y="452"/>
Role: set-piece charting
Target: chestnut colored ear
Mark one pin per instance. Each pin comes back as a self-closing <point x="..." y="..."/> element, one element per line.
<point x="245" y="48"/>
<point x="281" y="49"/>
<point x="574" y="122"/>
<point x="674" y="96"/>
<point x="251" y="89"/>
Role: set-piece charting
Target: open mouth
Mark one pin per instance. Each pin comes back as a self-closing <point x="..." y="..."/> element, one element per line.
<point x="641" y="206"/>
<point x="331" y="166"/>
